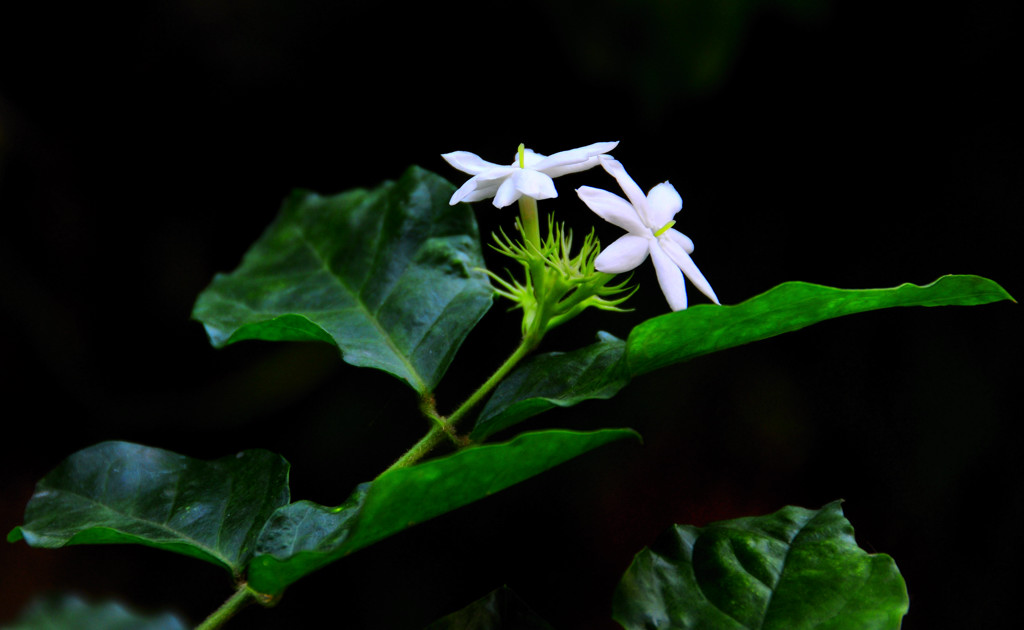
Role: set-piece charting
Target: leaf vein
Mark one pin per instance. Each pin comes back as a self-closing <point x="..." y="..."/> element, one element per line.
<point x="161" y="526"/>
<point x="369" y="315"/>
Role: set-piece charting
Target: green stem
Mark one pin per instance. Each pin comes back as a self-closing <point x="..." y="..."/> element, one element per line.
<point x="426" y="444"/>
<point x="236" y="602"/>
<point x="437" y="433"/>
<point x="429" y="409"/>
<point x="526" y="346"/>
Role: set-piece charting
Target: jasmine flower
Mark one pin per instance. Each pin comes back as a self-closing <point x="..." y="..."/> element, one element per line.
<point x="648" y="222"/>
<point x="530" y="174"/>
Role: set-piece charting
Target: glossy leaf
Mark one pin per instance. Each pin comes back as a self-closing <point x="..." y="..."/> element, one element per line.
<point x="563" y="379"/>
<point x="303" y="537"/>
<point x="501" y="609"/>
<point x="555" y="379"/>
<point x="69" y="612"/>
<point x="117" y="492"/>
<point x="796" y="569"/>
<point x="234" y="511"/>
<point x="389" y="276"/>
<point x="706" y="328"/>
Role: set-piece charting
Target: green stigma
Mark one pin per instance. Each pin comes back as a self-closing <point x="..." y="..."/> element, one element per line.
<point x="665" y="228"/>
<point x="522" y="155"/>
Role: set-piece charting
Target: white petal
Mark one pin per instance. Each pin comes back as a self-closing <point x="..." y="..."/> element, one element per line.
<point x="534" y="184"/>
<point x="627" y="252"/>
<point x="669" y="277"/>
<point x="495" y="173"/>
<point x="633" y="192"/>
<point x="479" y="187"/>
<point x="467" y="162"/>
<point x="680" y="239"/>
<point x="613" y="209"/>
<point x="574" y="160"/>
<point x="686" y="264"/>
<point x="506" y="193"/>
<point x="464" y="191"/>
<point x="663" y="202"/>
<point x="565" y="169"/>
<point x="484" y="190"/>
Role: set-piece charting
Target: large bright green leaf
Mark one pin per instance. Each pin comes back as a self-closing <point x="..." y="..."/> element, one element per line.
<point x="389" y="276"/>
<point x="679" y="336"/>
<point x="117" y="492"/>
<point x="303" y="537"/>
<point x="602" y="369"/>
<point x="69" y="612"/>
<point x="796" y="569"/>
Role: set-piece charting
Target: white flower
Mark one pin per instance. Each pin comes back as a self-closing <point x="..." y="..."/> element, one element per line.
<point x="648" y="221"/>
<point x="530" y="174"/>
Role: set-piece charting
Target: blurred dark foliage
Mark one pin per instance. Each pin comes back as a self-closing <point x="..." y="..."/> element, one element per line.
<point x="144" y="146"/>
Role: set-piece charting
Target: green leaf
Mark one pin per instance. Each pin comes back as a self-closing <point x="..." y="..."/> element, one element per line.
<point x="796" y="569"/>
<point x="234" y="511"/>
<point x="117" y="492"/>
<point x="389" y="276"/>
<point x="68" y="612"/>
<point x="790" y="306"/>
<point x="555" y="379"/>
<point x="564" y="379"/>
<point x="501" y="609"/>
<point x="304" y="536"/>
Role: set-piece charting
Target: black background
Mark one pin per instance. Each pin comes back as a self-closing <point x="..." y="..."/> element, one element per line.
<point x="144" y="147"/>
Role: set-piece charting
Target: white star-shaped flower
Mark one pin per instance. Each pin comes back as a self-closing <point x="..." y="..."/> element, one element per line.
<point x="530" y="174"/>
<point x="648" y="221"/>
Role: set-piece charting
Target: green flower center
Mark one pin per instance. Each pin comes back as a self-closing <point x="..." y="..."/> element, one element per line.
<point x="665" y="228"/>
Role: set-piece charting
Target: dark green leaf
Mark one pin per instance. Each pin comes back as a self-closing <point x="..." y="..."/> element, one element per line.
<point x="559" y="379"/>
<point x="796" y="569"/>
<point x="386" y="275"/>
<point x="117" y="492"/>
<point x="303" y="537"/>
<point x="592" y="372"/>
<point x="71" y="613"/>
<point x="501" y="609"/>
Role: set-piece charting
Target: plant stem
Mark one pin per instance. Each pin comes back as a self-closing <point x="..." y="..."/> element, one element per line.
<point x="437" y="432"/>
<point x="228" y="609"/>
<point x="526" y="346"/>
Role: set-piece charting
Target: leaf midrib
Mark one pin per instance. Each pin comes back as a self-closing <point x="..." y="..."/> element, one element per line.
<point x="420" y="384"/>
<point x="162" y="526"/>
<point x="782" y="569"/>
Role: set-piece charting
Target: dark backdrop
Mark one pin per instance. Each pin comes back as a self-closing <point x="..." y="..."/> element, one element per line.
<point x="143" y="147"/>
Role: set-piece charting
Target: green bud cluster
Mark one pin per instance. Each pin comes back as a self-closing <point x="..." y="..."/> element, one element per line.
<point x="558" y="284"/>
